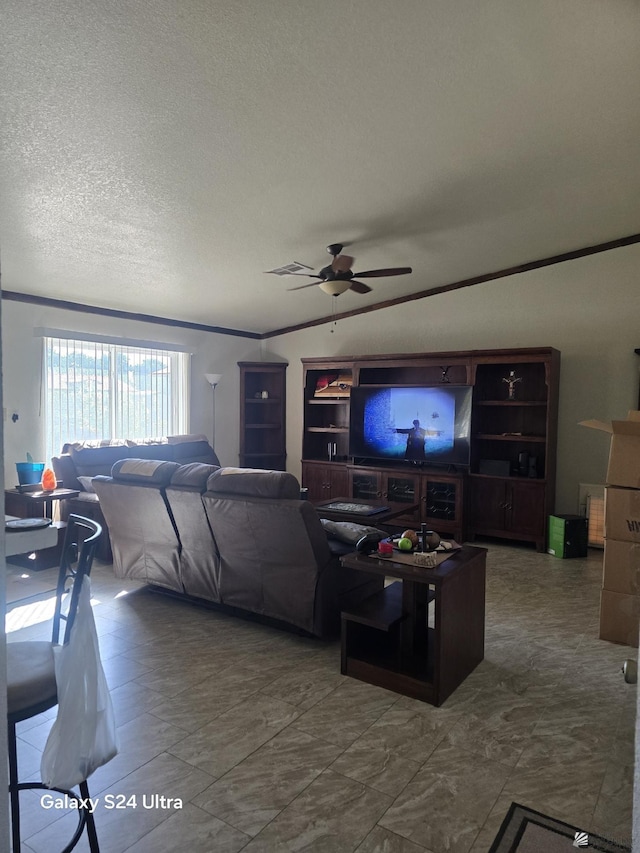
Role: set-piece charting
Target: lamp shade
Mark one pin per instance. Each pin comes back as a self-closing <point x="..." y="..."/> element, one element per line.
<point x="334" y="288"/>
<point x="213" y="378"/>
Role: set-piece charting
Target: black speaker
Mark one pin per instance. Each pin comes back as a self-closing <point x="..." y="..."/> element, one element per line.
<point x="533" y="467"/>
<point x="496" y="467"/>
<point x="523" y="464"/>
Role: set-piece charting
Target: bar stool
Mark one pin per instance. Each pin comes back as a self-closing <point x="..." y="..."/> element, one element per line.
<point x="31" y="681"/>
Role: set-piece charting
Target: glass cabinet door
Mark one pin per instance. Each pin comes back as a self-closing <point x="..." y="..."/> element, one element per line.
<point x="365" y="485"/>
<point x="440" y="500"/>
<point x="401" y="489"/>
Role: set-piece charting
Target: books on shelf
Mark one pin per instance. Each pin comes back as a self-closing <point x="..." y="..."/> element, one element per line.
<point x="333" y="385"/>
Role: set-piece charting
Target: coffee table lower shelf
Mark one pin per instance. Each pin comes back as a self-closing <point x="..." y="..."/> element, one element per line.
<point x="44" y="558"/>
<point x="372" y="647"/>
<point x="386" y="676"/>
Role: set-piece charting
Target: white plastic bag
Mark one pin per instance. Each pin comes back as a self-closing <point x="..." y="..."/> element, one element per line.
<point x="83" y="737"/>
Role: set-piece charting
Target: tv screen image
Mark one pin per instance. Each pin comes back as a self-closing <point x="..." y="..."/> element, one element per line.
<point x="424" y="424"/>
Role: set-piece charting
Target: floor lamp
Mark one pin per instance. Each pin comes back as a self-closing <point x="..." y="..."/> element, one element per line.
<point x="213" y="379"/>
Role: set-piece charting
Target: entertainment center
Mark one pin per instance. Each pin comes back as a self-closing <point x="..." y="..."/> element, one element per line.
<point x="488" y="471"/>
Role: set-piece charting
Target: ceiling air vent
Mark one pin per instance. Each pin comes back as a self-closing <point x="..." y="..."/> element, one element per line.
<point x="294" y="268"/>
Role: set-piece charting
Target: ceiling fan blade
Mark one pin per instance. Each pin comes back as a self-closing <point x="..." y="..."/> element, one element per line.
<point x="302" y="286"/>
<point x="342" y="263"/>
<point x="305" y="275"/>
<point x="359" y="287"/>
<point x="380" y="273"/>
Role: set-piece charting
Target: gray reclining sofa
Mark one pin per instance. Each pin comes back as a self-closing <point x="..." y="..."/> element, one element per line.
<point x="235" y="537"/>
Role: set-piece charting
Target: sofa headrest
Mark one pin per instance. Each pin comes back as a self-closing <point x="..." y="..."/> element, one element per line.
<point x="94" y="443"/>
<point x="153" y="472"/>
<point x="144" y="442"/>
<point x="99" y="460"/>
<point x="185" y="452"/>
<point x="96" y="460"/>
<point x="255" y="483"/>
<point x="193" y="476"/>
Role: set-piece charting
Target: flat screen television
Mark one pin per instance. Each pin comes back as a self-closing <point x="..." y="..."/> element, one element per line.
<point x="427" y="425"/>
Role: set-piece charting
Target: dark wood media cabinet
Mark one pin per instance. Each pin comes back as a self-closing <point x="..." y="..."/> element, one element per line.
<point x="392" y="639"/>
<point x="508" y="489"/>
<point x="437" y="495"/>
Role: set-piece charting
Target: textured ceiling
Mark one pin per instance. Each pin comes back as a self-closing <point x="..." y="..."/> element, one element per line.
<point x="158" y="155"/>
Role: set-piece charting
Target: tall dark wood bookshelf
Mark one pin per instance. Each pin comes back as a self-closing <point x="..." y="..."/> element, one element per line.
<point x="262" y="415"/>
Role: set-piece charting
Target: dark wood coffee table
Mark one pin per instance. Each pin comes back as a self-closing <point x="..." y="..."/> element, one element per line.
<point x="363" y="512"/>
<point x="398" y="640"/>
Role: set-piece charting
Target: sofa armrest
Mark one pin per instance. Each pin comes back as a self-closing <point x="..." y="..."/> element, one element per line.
<point x="65" y="470"/>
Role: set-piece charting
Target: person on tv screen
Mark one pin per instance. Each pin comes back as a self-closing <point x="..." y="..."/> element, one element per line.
<point x="415" y="441"/>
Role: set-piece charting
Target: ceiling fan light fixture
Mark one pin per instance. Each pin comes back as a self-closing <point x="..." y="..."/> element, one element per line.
<point x="335" y="287"/>
<point x="338" y="276"/>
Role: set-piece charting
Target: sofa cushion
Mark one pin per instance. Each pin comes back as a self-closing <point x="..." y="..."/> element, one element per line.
<point x="150" y="471"/>
<point x="199" y="560"/>
<point x="255" y="483"/>
<point x="347" y="531"/>
<point x="87" y="497"/>
<point x="87" y="485"/>
<point x="193" y="476"/>
<point x="143" y="537"/>
<point x="97" y="456"/>
<point x="185" y="452"/>
<point x="185" y="439"/>
<point x="151" y="451"/>
<point x="89" y="461"/>
<point x="92" y="444"/>
<point x="144" y="442"/>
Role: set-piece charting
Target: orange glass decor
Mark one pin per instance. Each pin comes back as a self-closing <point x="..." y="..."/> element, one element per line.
<point x="48" y="480"/>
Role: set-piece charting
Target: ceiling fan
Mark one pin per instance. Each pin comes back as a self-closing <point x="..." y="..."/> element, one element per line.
<point x="337" y="277"/>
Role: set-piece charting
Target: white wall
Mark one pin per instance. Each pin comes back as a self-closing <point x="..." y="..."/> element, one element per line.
<point x="212" y="353"/>
<point x="4" y="764"/>
<point x="589" y="309"/>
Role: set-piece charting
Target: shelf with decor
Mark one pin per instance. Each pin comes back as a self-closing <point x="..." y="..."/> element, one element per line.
<point x="326" y="412"/>
<point x="416" y="369"/>
<point x="513" y="444"/>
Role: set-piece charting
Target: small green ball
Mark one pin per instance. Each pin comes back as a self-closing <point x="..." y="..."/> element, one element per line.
<point x="405" y="544"/>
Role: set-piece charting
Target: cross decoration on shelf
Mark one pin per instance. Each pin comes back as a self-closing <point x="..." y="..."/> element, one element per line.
<point x="511" y="381"/>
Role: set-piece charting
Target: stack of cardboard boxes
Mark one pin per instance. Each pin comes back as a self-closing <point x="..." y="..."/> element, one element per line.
<point x="620" y="596"/>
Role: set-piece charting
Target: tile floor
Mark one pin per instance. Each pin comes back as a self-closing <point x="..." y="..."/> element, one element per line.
<point x="270" y="749"/>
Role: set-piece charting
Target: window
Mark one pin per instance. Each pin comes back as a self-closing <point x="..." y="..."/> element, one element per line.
<point x="98" y="389"/>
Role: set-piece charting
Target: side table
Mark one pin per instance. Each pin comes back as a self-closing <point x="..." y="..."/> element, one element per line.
<point x="26" y="504"/>
<point x="27" y="541"/>
<point x="388" y="639"/>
